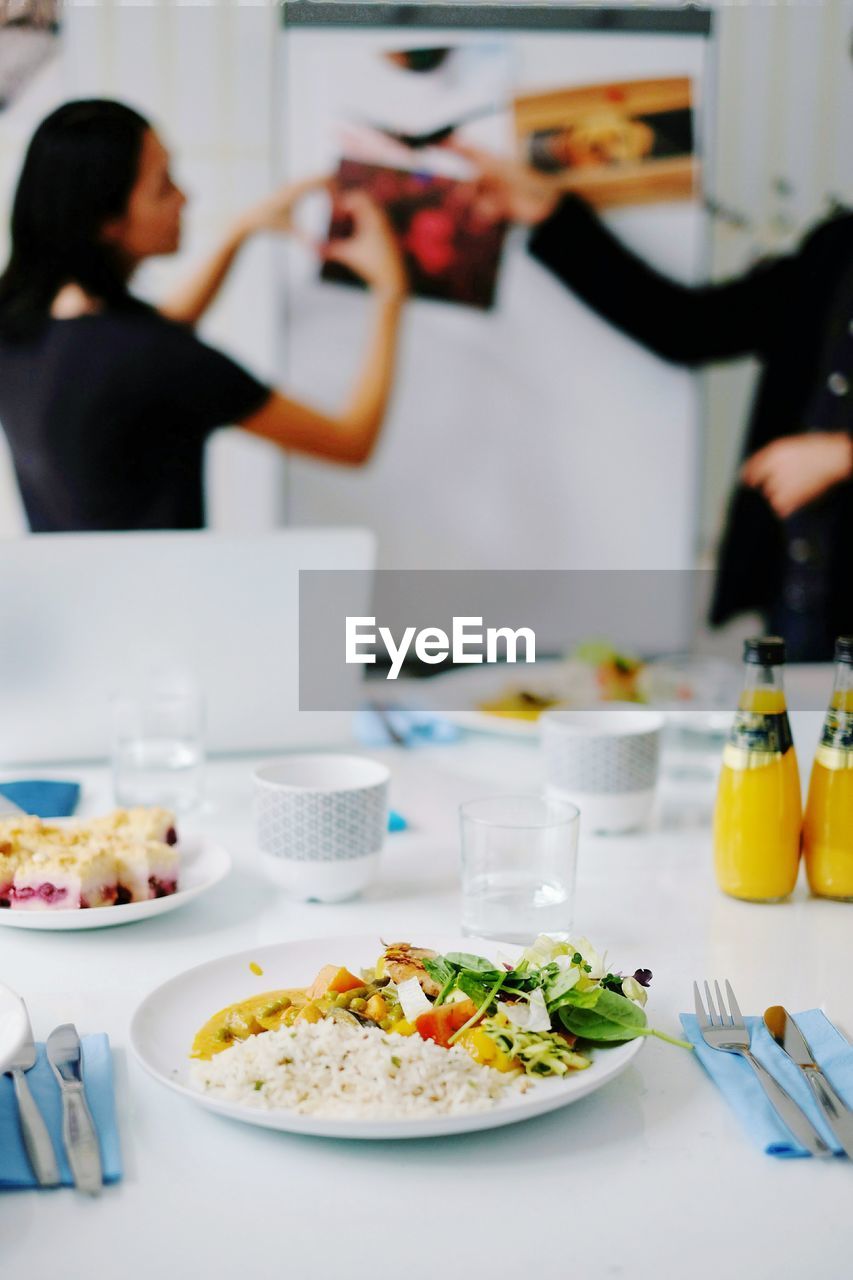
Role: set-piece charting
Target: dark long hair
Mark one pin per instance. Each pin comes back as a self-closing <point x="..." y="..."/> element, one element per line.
<point x="78" y="172"/>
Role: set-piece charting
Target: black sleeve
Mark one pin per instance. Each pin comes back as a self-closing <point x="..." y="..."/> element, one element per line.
<point x="203" y="387"/>
<point x="680" y="323"/>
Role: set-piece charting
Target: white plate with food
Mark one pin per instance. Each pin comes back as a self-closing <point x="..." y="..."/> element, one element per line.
<point x="508" y="700"/>
<point x="352" y="1067"/>
<point x="129" y="865"/>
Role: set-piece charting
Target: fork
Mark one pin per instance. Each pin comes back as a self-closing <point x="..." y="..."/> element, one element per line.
<point x="724" y="1028"/>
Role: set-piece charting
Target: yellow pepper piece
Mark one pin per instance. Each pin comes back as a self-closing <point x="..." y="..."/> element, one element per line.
<point x="483" y="1049"/>
<point x="402" y="1027"/>
<point x="309" y="1013"/>
<point x="376" y="1008"/>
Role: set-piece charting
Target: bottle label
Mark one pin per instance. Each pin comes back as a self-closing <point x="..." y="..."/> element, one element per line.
<point x="836" y="744"/>
<point x="757" y="739"/>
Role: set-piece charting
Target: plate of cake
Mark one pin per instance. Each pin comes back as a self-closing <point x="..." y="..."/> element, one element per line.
<point x="122" y="867"/>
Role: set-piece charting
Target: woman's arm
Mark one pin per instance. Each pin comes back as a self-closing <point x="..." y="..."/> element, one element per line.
<point x="678" y="322"/>
<point x="350" y="436"/>
<point x="190" y="301"/>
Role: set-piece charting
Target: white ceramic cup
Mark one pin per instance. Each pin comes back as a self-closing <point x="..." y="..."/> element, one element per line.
<point x="606" y="762"/>
<point x="320" y="823"/>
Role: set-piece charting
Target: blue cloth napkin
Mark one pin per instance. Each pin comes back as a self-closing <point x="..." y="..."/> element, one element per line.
<point x="417" y="728"/>
<point x="43" y="798"/>
<point x="739" y="1086"/>
<point x="15" y="1168"/>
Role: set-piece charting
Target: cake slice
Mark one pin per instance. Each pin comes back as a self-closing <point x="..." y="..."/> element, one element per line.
<point x="19" y="837"/>
<point x="52" y="879"/>
<point x="145" y="869"/>
<point x="138" y="824"/>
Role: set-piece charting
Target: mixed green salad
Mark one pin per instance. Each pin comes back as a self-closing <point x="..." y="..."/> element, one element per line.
<point x="534" y="1011"/>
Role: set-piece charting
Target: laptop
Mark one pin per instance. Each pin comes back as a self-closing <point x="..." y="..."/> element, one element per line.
<point x="86" y="616"/>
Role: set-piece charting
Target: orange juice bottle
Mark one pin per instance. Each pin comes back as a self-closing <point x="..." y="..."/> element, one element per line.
<point x="758" y="814"/>
<point x="828" y="827"/>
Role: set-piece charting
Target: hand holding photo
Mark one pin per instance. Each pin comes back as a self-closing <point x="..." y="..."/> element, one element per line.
<point x="366" y="247"/>
<point x="450" y="247"/>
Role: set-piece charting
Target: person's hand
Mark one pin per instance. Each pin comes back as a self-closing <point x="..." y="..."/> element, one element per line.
<point x="508" y="189"/>
<point x="794" y="470"/>
<point x="275" y="213"/>
<point x="371" y="251"/>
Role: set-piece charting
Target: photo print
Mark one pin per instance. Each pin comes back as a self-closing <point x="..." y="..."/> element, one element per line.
<point x="451" y="250"/>
<point x="397" y="109"/>
<point x="625" y="142"/>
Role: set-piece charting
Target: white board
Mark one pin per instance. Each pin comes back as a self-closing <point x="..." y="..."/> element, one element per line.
<point x="530" y="436"/>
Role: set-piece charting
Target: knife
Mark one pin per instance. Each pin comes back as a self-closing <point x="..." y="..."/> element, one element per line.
<point x="790" y="1038"/>
<point x="78" y="1127"/>
<point x="37" y="1140"/>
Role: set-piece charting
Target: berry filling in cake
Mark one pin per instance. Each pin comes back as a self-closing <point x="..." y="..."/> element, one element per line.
<point x="162" y="888"/>
<point x="48" y="893"/>
<point x="50" y="878"/>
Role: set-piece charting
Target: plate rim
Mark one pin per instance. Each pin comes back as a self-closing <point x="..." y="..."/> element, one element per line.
<point x="515" y="1111"/>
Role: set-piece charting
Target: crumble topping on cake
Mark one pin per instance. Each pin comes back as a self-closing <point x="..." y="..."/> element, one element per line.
<point x="106" y="861"/>
<point x="140" y="824"/>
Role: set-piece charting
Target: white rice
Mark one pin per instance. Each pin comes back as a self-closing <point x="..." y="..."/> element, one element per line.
<point x="333" y="1069"/>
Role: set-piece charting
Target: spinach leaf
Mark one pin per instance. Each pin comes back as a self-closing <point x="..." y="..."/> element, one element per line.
<point x="577" y="999"/>
<point x="523" y="980"/>
<point x="474" y="964"/>
<point x="438" y="969"/>
<point x="612" y="1017"/>
<point x="474" y="987"/>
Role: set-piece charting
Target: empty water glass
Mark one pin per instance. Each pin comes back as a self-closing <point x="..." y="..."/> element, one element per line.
<point x="158" y="746"/>
<point x="519" y="861"/>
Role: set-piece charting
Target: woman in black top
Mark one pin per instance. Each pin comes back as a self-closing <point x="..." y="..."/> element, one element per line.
<point x="107" y="402"/>
<point x="788" y="546"/>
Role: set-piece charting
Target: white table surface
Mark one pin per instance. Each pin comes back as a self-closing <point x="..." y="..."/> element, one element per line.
<point x="638" y="1180"/>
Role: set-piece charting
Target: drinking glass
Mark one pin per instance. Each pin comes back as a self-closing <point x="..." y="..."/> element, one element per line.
<point x="519" y="859"/>
<point x="158" y="746"/>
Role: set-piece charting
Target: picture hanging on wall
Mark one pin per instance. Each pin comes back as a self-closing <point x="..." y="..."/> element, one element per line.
<point x="450" y="247"/>
<point x="395" y="110"/>
<point x="617" y="143"/>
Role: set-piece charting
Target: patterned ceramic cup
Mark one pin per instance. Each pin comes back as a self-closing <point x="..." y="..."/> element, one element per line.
<point x="321" y="822"/>
<point x="605" y="762"/>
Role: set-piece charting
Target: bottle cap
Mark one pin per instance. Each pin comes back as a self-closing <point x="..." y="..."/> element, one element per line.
<point x="844" y="650"/>
<point x="764" y="651"/>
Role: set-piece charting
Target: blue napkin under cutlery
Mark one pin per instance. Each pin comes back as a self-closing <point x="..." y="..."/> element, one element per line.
<point x="738" y="1084"/>
<point x="15" y="1170"/>
<point x="42" y="797"/>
